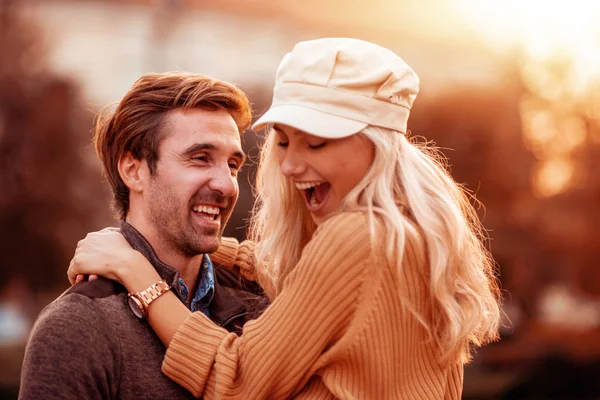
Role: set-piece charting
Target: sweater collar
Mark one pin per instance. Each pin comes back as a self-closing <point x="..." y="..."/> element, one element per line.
<point x="138" y="242"/>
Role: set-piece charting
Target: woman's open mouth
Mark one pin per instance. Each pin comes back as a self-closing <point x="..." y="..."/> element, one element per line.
<point x="315" y="194"/>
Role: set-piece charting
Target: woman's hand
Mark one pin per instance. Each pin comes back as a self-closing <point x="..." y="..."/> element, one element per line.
<point x="108" y="254"/>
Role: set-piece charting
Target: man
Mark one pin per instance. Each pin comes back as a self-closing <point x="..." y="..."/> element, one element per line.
<point x="171" y="152"/>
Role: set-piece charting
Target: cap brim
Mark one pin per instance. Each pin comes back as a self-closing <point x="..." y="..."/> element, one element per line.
<point x="311" y="121"/>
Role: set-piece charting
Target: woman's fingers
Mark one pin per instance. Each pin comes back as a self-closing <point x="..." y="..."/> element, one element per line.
<point x="82" y="277"/>
<point x="73" y="276"/>
<point x="111" y="229"/>
<point x="75" y="271"/>
<point x="70" y="275"/>
<point x="89" y="249"/>
<point x="100" y="253"/>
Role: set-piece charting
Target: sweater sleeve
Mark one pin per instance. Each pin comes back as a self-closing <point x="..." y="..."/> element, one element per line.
<point x="71" y="353"/>
<point x="274" y="356"/>
<point x="233" y="255"/>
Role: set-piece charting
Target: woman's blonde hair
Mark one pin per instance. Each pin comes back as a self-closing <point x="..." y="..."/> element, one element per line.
<point x="409" y="192"/>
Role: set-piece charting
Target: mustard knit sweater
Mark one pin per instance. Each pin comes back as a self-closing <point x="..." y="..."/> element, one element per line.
<point x="336" y="330"/>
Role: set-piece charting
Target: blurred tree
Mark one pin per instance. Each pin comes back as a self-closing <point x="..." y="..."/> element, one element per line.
<point x="48" y="174"/>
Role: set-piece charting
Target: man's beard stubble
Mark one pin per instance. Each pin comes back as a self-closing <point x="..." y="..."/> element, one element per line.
<point x="178" y="231"/>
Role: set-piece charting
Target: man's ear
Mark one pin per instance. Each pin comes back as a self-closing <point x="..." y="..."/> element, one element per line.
<point x="134" y="172"/>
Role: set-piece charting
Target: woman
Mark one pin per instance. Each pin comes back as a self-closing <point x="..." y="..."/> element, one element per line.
<point x="371" y="253"/>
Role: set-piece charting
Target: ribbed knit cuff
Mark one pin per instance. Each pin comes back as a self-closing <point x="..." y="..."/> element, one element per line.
<point x="245" y="259"/>
<point x="226" y="253"/>
<point x="192" y="351"/>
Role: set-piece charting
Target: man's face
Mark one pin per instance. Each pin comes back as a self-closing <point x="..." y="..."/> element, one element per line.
<point x="191" y="195"/>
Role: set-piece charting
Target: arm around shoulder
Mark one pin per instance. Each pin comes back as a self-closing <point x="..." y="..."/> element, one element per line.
<point x="234" y="255"/>
<point x="71" y="353"/>
<point x="277" y="352"/>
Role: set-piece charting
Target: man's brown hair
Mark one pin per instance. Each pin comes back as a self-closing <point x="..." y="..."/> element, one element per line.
<point x="135" y="124"/>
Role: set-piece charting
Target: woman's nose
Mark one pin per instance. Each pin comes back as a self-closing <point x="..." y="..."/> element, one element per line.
<point x="292" y="164"/>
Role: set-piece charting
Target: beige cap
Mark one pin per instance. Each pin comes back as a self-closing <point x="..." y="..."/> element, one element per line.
<point x="336" y="87"/>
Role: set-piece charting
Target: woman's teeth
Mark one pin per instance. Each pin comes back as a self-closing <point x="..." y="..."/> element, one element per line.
<point x="308" y="185"/>
<point x="310" y="190"/>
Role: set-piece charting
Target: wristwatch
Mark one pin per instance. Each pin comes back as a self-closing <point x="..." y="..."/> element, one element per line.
<point x="139" y="302"/>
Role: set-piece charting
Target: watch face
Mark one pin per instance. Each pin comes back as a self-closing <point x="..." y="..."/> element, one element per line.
<point x="135" y="306"/>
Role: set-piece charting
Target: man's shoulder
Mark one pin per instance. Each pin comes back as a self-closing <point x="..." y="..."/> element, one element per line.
<point x="98" y="288"/>
<point x="78" y="308"/>
<point x="76" y="320"/>
<point x="74" y="350"/>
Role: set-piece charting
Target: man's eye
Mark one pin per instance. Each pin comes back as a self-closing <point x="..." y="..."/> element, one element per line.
<point x="200" y="158"/>
<point x="282" y="144"/>
<point x="317" y="146"/>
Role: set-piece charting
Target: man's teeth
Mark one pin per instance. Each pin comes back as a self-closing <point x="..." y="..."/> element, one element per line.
<point x="207" y="210"/>
<point x="307" y="185"/>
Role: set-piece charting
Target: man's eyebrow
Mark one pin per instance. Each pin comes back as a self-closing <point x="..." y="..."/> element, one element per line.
<point x="199" y="147"/>
<point x="196" y="147"/>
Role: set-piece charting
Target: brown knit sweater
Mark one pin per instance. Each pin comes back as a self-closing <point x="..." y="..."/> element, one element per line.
<point x="336" y="330"/>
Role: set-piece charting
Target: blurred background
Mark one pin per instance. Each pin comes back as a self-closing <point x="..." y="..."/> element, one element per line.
<point x="510" y="90"/>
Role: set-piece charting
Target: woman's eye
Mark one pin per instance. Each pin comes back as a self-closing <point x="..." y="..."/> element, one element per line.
<point x="282" y="144"/>
<point x="317" y="146"/>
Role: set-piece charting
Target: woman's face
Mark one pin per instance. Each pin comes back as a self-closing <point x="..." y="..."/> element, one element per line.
<point x="323" y="170"/>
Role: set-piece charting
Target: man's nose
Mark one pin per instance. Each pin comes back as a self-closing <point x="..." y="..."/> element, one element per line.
<point x="292" y="164"/>
<point x="223" y="182"/>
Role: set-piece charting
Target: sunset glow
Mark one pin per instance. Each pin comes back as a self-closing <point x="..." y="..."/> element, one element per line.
<point x="559" y="48"/>
<point x="541" y="27"/>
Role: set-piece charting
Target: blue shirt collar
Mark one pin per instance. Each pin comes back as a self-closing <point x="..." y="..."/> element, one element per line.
<point x="205" y="290"/>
